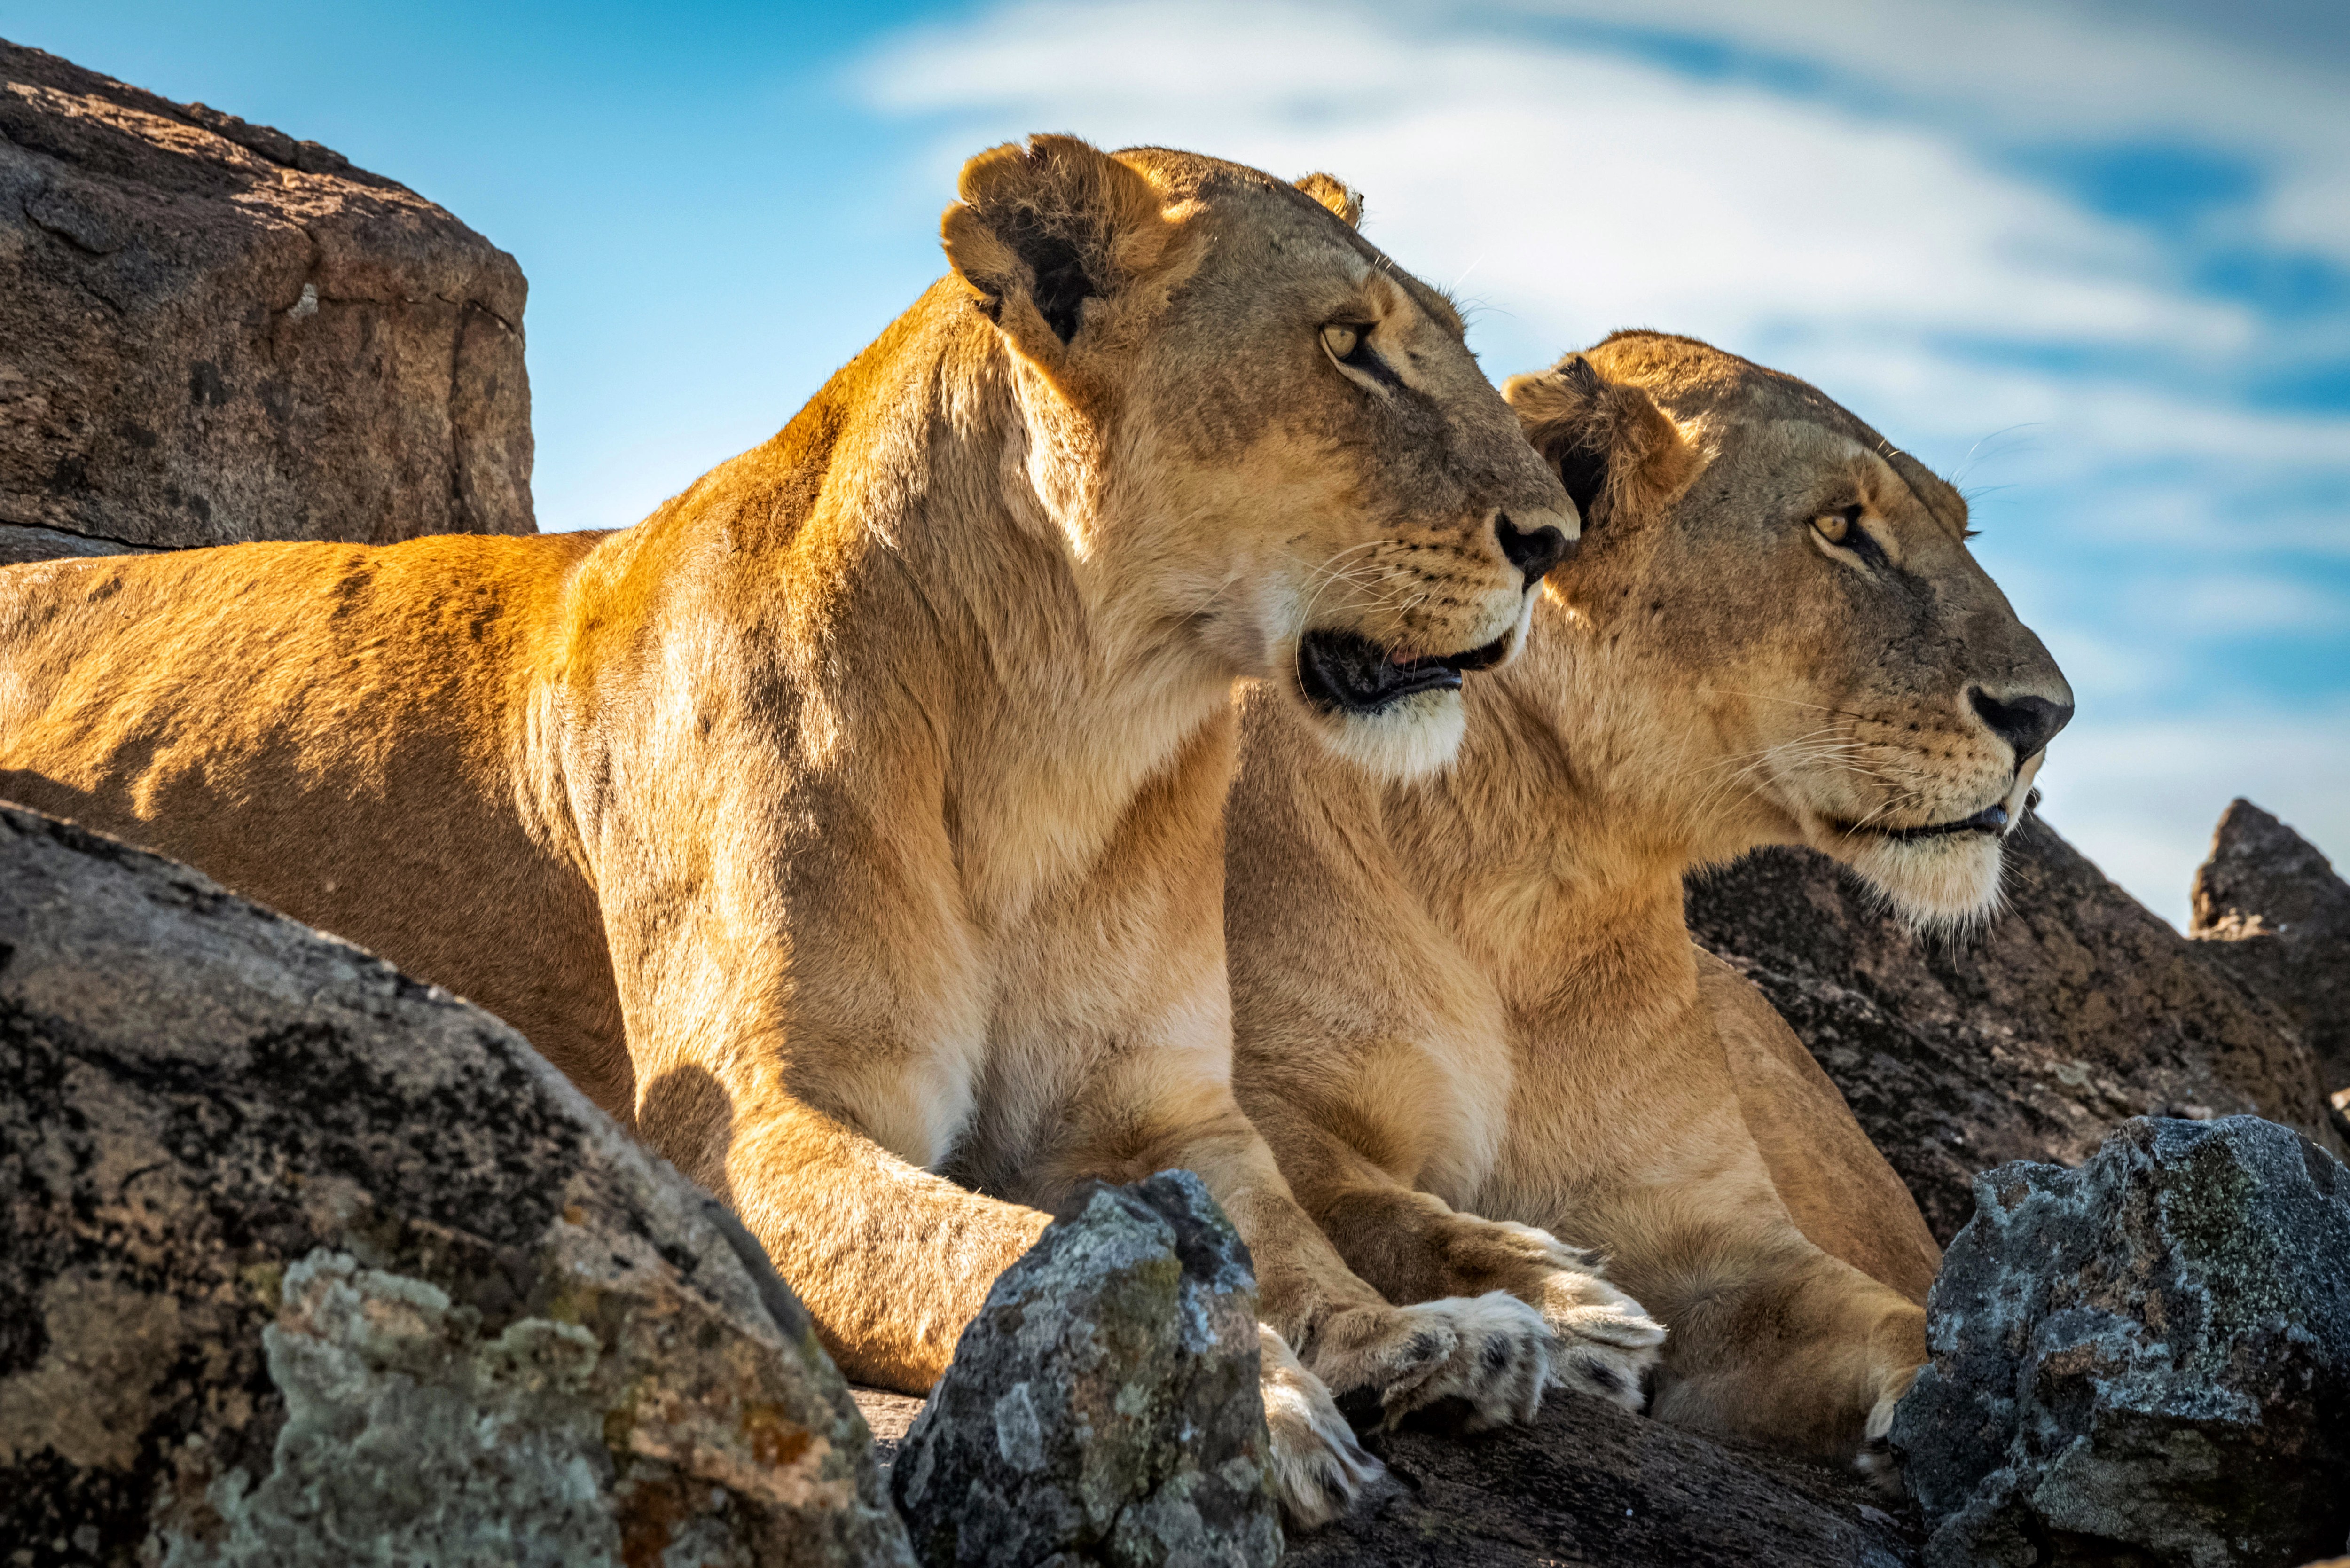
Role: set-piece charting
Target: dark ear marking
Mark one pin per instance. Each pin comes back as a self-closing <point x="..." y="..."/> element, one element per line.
<point x="1584" y="471"/>
<point x="1062" y="284"/>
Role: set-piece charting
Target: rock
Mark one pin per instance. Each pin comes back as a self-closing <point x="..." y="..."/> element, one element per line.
<point x="1590" y="1484"/>
<point x="1103" y="1406"/>
<point x="307" y="1263"/>
<point x="2144" y="1361"/>
<point x="2075" y="1009"/>
<point x="213" y="332"/>
<point x="2277" y="917"/>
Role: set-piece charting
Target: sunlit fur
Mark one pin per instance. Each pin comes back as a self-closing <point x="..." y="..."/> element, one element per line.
<point x="851" y="826"/>
<point x="1475" y="1000"/>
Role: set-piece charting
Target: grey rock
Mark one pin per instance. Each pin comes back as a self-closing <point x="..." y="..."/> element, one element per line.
<point x="2076" y="1008"/>
<point x="304" y="1262"/>
<point x="2144" y="1361"/>
<point x="1103" y="1406"/>
<point x="210" y="333"/>
<point x="1590" y="1484"/>
<point x="2277" y="915"/>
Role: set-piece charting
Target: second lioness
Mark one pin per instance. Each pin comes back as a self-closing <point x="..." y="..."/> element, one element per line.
<point x="850" y="827"/>
<point x="1469" y="1004"/>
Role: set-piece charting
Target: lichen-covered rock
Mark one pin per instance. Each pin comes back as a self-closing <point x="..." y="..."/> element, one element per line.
<point x="2276" y="914"/>
<point x="304" y="1264"/>
<point x="212" y="333"/>
<point x="1103" y="1408"/>
<point x="2144" y="1361"/>
<point x="2076" y="1008"/>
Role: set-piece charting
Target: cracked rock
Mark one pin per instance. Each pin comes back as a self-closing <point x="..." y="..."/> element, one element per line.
<point x="2274" y="912"/>
<point x="1103" y="1408"/>
<point x="2144" y="1361"/>
<point x="306" y="1264"/>
<point x="2075" y="1008"/>
<point x="210" y="333"/>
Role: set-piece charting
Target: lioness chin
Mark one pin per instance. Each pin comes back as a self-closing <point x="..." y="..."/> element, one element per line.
<point x="1469" y="1006"/>
<point x="851" y="827"/>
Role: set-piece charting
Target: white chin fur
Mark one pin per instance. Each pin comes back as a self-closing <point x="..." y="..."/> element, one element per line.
<point x="1936" y="884"/>
<point x="1412" y="738"/>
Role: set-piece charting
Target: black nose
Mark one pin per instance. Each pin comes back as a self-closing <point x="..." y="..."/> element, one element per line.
<point x="2027" y="724"/>
<point x="1533" y="553"/>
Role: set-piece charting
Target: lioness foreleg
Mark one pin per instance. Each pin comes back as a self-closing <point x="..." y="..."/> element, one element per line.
<point x="1413" y="1247"/>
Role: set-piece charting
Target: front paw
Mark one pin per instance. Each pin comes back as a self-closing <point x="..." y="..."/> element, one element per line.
<point x="1489" y="1352"/>
<point x="1318" y="1468"/>
<point x="1603" y="1342"/>
<point x="1875" y="1462"/>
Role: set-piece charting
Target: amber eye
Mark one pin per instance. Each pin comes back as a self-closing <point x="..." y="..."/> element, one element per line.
<point x="1340" y="339"/>
<point x="1836" y="527"/>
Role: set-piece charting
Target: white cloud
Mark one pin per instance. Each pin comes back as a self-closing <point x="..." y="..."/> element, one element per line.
<point x="2141" y="799"/>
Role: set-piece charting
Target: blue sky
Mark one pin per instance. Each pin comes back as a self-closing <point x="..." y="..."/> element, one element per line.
<point x="2093" y="259"/>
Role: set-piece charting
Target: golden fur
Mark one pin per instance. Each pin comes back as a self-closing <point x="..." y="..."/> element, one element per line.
<point x="1469" y="1004"/>
<point x="850" y="828"/>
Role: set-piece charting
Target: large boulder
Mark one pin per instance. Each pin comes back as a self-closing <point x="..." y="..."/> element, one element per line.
<point x="2075" y="1009"/>
<point x="212" y="333"/>
<point x="2277" y="916"/>
<point x="1103" y="1408"/>
<point x="2144" y="1361"/>
<point x="303" y="1263"/>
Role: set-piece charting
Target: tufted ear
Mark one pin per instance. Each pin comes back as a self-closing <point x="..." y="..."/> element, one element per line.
<point x="1336" y="194"/>
<point x="1609" y="443"/>
<point x="1046" y="226"/>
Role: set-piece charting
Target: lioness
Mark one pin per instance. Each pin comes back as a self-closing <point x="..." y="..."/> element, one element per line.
<point x="1468" y="1004"/>
<point x="850" y="828"/>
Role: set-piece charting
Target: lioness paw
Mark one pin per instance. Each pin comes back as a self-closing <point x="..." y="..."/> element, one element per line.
<point x="1318" y="1468"/>
<point x="1489" y="1352"/>
<point x="1875" y="1462"/>
<point x="1603" y="1343"/>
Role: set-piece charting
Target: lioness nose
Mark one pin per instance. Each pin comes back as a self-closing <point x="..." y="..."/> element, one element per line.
<point x="1533" y="551"/>
<point x="2027" y="724"/>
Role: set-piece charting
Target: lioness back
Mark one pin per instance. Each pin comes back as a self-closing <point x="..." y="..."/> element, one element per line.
<point x="268" y="710"/>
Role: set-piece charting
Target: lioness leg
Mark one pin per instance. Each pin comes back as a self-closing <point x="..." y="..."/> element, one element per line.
<point x="1774" y="1340"/>
<point x="1413" y="1247"/>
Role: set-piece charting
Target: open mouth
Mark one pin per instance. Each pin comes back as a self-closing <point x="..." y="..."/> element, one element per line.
<point x="1346" y="670"/>
<point x="1991" y="819"/>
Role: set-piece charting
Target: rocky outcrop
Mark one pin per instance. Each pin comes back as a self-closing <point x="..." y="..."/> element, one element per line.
<point x="2075" y="1009"/>
<point x="210" y="333"/>
<point x="2143" y="1361"/>
<point x="2277" y="916"/>
<point x="306" y="1263"/>
<point x="1590" y="1485"/>
<point x="1103" y="1406"/>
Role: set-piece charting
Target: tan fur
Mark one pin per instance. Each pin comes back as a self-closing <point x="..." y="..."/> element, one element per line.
<point x="1469" y="1004"/>
<point x="851" y="827"/>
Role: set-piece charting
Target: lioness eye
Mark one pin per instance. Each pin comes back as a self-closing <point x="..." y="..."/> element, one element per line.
<point x="1340" y="339"/>
<point x="1834" y="526"/>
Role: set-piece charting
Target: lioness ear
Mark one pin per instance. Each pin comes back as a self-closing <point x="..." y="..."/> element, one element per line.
<point x="1611" y="446"/>
<point x="1336" y="194"/>
<point x="1043" y="227"/>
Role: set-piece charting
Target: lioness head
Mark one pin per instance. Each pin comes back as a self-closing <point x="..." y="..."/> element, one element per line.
<point x="1779" y="611"/>
<point x="1260" y="437"/>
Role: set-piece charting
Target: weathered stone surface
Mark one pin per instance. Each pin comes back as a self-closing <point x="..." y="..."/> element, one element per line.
<point x="303" y="1262"/>
<point x="1103" y="1406"/>
<point x="2277" y="916"/>
<point x="2144" y="1361"/>
<point x="2076" y="1008"/>
<point x="213" y="332"/>
<point x="1589" y="1484"/>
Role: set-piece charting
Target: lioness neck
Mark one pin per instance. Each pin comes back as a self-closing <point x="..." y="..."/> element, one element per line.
<point x="1550" y="853"/>
<point x="896" y="567"/>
